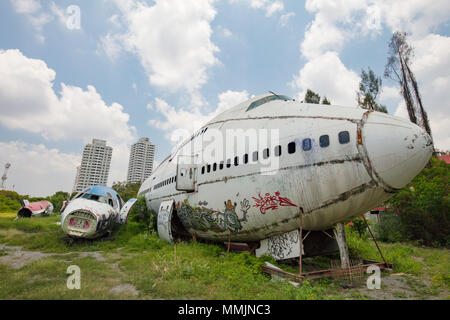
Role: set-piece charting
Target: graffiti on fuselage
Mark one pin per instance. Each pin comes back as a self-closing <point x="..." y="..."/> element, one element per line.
<point x="205" y="219"/>
<point x="105" y="222"/>
<point x="269" y="202"/>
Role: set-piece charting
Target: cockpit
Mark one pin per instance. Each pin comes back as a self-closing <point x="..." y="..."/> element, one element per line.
<point x="264" y="100"/>
<point x="101" y="194"/>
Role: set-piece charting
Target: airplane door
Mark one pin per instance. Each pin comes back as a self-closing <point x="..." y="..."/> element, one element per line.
<point x="186" y="173"/>
<point x="123" y="215"/>
<point x="165" y="220"/>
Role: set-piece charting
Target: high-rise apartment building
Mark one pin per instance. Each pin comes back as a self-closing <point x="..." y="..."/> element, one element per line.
<point x="94" y="168"/>
<point x="77" y="178"/>
<point x="140" y="165"/>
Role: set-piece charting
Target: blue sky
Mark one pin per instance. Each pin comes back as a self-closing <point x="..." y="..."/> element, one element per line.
<point x="139" y="68"/>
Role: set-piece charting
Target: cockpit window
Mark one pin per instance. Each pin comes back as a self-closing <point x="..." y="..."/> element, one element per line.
<point x="94" y="197"/>
<point x="264" y="100"/>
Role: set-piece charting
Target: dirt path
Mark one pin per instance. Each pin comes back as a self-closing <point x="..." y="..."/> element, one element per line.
<point x="16" y="258"/>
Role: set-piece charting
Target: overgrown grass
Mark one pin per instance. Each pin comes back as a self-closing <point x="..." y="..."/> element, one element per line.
<point x="185" y="270"/>
<point x="405" y="257"/>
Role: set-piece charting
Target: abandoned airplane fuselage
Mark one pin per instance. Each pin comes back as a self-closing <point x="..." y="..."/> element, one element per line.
<point x="35" y="209"/>
<point x="333" y="162"/>
<point x="94" y="212"/>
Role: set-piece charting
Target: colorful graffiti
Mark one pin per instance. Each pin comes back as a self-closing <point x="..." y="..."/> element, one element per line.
<point x="205" y="219"/>
<point x="269" y="202"/>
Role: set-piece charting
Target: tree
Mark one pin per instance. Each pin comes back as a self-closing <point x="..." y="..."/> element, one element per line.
<point x="126" y="190"/>
<point x="57" y="200"/>
<point x="369" y="88"/>
<point x="325" y="101"/>
<point x="398" y="69"/>
<point x="312" y="97"/>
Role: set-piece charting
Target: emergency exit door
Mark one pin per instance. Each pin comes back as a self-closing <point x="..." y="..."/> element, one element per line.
<point x="186" y="173"/>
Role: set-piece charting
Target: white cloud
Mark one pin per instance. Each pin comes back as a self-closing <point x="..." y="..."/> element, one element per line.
<point x="229" y="99"/>
<point x="115" y="20"/>
<point x="32" y="10"/>
<point x="334" y="24"/>
<point x="29" y="102"/>
<point x="226" y="32"/>
<point x="284" y="19"/>
<point x="180" y="123"/>
<point x="172" y="39"/>
<point x="26" y="6"/>
<point x="110" y="45"/>
<point x="39" y="17"/>
<point x="417" y="17"/>
<point x="328" y="76"/>
<point x="36" y="170"/>
<point x="274" y="7"/>
<point x="270" y="6"/>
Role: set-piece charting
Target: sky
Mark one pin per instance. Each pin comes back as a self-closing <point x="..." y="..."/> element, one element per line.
<point x="118" y="70"/>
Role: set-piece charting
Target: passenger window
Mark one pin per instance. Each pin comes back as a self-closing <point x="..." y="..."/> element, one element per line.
<point x="208" y="168"/>
<point x="306" y="144"/>
<point x="324" y="141"/>
<point x="236" y="161"/>
<point x="255" y="156"/>
<point x="266" y="153"/>
<point x="344" y="137"/>
<point x="291" y="147"/>
<point x="245" y="158"/>
<point x="221" y="165"/>
<point x="277" y="151"/>
<point x="214" y="166"/>
<point x="228" y="163"/>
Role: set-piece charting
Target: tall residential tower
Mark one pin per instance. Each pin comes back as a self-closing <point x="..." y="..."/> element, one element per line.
<point x="140" y="165"/>
<point x="94" y="168"/>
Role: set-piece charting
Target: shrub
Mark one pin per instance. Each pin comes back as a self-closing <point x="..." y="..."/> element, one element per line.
<point x="423" y="206"/>
<point x="142" y="215"/>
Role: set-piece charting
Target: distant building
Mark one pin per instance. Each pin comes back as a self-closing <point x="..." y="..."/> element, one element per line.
<point x="77" y="179"/>
<point x="94" y="168"/>
<point x="140" y="165"/>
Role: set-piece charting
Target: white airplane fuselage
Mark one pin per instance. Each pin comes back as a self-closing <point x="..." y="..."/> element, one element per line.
<point x="334" y="162"/>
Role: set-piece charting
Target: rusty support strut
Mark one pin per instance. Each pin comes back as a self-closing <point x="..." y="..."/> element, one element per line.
<point x="374" y="240"/>
<point x="300" y="236"/>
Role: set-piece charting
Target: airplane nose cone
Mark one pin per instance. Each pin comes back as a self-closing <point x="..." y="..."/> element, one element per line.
<point x="397" y="149"/>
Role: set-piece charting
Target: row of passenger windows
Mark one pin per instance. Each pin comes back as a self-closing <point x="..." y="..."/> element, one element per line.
<point x="324" y="141"/>
<point x="165" y="182"/>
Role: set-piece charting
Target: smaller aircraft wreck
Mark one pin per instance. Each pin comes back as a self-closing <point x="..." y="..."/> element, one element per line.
<point x="35" y="209"/>
<point x="94" y="212"/>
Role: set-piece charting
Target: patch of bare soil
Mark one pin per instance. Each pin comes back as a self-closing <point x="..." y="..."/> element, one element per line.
<point x="125" y="288"/>
<point x="17" y="258"/>
<point x="399" y="286"/>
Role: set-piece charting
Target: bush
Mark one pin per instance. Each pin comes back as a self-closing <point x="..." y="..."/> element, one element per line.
<point x="423" y="207"/>
<point x="143" y="216"/>
<point x="10" y="201"/>
<point x="390" y="228"/>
